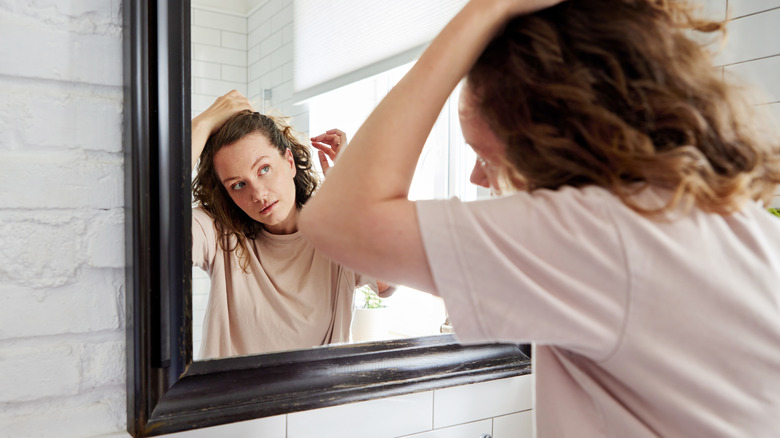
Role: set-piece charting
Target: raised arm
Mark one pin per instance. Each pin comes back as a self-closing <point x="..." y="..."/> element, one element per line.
<point x="208" y="122"/>
<point x="361" y="216"/>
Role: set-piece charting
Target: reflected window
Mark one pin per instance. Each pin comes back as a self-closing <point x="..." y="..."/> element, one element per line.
<point x="444" y="166"/>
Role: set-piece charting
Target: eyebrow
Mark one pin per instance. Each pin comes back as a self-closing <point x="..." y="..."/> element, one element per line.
<point x="257" y="161"/>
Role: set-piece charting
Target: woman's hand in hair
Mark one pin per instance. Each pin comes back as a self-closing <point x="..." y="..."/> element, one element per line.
<point x="328" y="145"/>
<point x="208" y="122"/>
<point x="513" y="8"/>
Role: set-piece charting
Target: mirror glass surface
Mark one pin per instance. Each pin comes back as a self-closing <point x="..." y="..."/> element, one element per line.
<point x="249" y="46"/>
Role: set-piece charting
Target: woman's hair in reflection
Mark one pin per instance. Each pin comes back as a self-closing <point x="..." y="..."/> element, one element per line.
<point x="212" y="196"/>
<point x="614" y="93"/>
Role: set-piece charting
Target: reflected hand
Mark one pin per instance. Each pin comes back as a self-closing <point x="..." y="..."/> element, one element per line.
<point x="208" y="122"/>
<point x="513" y="8"/>
<point x="222" y="109"/>
<point x="385" y="289"/>
<point x="328" y="145"/>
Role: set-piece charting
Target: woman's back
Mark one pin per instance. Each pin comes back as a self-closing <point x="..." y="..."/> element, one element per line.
<point x="643" y="327"/>
<point x="698" y="351"/>
<point x="646" y="324"/>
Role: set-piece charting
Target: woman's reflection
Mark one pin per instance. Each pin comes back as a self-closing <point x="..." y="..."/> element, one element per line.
<point x="270" y="289"/>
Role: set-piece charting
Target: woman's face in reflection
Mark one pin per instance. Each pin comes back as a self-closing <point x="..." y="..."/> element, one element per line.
<point x="260" y="181"/>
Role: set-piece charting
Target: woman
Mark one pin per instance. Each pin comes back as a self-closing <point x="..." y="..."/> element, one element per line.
<point x="270" y="289"/>
<point x="631" y="244"/>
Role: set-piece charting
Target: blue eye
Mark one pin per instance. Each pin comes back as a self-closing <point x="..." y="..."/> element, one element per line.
<point x="265" y="169"/>
<point x="238" y="186"/>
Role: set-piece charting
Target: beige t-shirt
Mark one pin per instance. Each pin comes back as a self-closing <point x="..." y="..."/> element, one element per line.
<point x="642" y="328"/>
<point x="291" y="298"/>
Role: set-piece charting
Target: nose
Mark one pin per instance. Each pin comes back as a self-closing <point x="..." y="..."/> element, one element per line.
<point x="259" y="193"/>
<point x="479" y="177"/>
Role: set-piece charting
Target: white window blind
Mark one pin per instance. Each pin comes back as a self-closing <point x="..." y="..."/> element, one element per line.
<point x="341" y="42"/>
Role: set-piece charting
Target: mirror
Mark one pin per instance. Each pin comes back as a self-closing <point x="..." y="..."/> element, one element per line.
<point x="166" y="390"/>
<point x="250" y="46"/>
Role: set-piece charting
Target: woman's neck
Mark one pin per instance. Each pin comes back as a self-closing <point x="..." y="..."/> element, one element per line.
<point x="287" y="226"/>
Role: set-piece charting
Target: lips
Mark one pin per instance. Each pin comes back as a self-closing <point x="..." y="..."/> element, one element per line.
<point x="267" y="209"/>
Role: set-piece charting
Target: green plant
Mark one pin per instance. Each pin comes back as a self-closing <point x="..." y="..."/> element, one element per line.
<point x="774" y="211"/>
<point x="370" y="299"/>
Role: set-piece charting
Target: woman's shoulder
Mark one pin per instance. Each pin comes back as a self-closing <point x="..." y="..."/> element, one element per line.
<point x="203" y="217"/>
<point x="542" y="206"/>
<point x="203" y="221"/>
<point x="200" y="214"/>
<point x="565" y="200"/>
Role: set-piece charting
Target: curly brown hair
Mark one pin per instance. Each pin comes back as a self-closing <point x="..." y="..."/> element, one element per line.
<point x="211" y="195"/>
<point x="615" y="93"/>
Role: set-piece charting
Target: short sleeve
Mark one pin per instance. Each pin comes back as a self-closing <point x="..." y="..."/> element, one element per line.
<point x="547" y="267"/>
<point x="204" y="243"/>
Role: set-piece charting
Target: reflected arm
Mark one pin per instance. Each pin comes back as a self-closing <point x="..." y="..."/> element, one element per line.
<point x="200" y="134"/>
<point x="361" y="216"/>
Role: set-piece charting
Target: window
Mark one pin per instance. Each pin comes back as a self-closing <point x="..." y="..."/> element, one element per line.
<point x="443" y="171"/>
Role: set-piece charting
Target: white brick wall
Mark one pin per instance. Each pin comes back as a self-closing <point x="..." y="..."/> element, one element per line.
<point x="62" y="365"/>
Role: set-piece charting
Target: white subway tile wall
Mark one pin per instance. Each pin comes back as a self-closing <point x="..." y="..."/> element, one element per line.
<point x="514" y="425"/>
<point x="462" y="404"/>
<point x="713" y="9"/>
<point x="751" y="37"/>
<point x="469" y="430"/>
<point x="200" y="299"/>
<point x="253" y="54"/>
<point x="227" y="21"/>
<point x="381" y="418"/>
<point x="271" y="427"/>
<point x="219" y="57"/>
<point x="762" y="73"/>
<point x="270" y="52"/>
<point x="752" y="52"/>
<point x="740" y="8"/>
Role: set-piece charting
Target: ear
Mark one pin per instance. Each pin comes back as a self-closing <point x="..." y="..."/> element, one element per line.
<point x="289" y="157"/>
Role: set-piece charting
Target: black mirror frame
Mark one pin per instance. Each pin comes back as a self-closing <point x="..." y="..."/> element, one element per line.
<point x="168" y="392"/>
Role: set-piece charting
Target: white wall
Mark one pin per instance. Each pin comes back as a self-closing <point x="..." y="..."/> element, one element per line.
<point x="62" y="286"/>
<point x="251" y="52"/>
<point x="62" y="340"/>
<point x="218" y="55"/>
<point x="270" y="60"/>
<point x="752" y="50"/>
